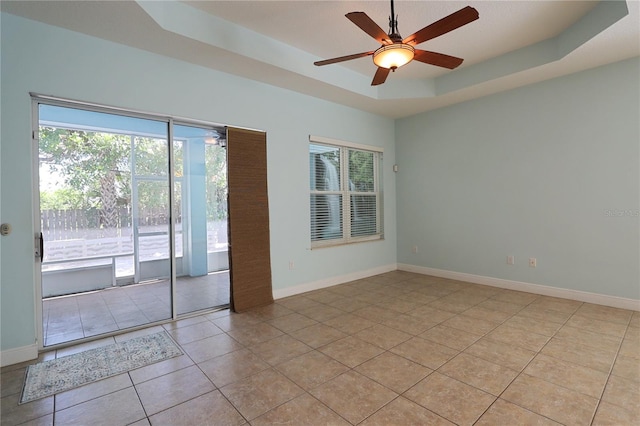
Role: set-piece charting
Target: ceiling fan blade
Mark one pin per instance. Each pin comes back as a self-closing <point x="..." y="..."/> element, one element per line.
<point x="380" y="76"/>
<point x="438" y="59"/>
<point x="367" y="25"/>
<point x="342" y="58"/>
<point x="449" y="23"/>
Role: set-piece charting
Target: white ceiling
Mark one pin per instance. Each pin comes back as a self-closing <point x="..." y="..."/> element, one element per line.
<point x="512" y="44"/>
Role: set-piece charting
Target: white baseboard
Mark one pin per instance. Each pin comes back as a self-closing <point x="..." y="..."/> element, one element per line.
<point x="16" y="355"/>
<point x="329" y="282"/>
<point x="582" y="296"/>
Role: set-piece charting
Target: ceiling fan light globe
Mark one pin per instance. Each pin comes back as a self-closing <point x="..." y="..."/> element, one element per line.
<point x="394" y="55"/>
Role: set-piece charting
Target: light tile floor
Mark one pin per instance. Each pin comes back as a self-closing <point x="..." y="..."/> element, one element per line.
<point x="394" y="349"/>
<point x="77" y="316"/>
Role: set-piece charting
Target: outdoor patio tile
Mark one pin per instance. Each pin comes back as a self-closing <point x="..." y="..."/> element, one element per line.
<point x="138" y="333"/>
<point x="194" y="332"/>
<point x="186" y="322"/>
<point x="70" y="336"/>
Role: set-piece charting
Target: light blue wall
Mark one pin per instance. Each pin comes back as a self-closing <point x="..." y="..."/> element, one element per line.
<point x="48" y="60"/>
<point x="532" y="172"/>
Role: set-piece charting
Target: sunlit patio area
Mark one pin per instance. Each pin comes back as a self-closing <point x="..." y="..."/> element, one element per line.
<point x="78" y="316"/>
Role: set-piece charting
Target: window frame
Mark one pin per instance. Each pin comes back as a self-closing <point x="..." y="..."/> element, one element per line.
<point x="346" y="193"/>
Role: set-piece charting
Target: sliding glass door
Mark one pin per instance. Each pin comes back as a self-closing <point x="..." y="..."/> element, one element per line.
<point x="201" y="235"/>
<point x="132" y="226"/>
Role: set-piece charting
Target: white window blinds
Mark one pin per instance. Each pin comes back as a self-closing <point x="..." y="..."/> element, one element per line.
<point x="345" y="195"/>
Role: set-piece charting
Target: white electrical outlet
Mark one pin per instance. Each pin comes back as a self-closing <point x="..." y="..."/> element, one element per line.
<point x="291" y="265"/>
<point x="533" y="262"/>
<point x="511" y="260"/>
<point x="415" y="249"/>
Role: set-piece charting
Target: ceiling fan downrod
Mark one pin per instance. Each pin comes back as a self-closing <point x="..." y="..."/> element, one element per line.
<point x="394" y="35"/>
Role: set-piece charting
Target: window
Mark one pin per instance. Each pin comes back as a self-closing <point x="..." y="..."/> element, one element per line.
<point x="345" y="192"/>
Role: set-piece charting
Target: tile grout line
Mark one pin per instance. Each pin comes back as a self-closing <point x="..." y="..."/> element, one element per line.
<point x="615" y="358"/>
<point x="524" y="368"/>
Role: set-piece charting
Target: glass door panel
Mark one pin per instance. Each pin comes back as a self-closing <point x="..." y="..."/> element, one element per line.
<point x="104" y="197"/>
<point x="201" y="233"/>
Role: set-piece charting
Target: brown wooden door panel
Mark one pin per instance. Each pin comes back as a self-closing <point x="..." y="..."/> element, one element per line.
<point x="249" y="251"/>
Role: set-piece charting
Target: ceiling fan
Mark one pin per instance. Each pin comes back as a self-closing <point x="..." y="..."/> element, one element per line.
<point x="397" y="51"/>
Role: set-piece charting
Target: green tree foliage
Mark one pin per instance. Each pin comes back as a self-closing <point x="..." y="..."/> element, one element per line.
<point x="91" y="163"/>
<point x="361" y="170"/>
<point x="216" y="175"/>
<point x="95" y="168"/>
<point x="62" y="199"/>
